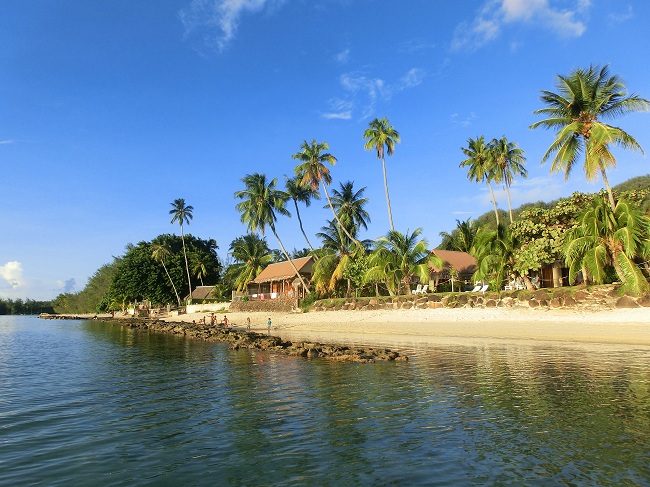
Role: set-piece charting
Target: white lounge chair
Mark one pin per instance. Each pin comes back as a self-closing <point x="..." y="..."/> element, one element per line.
<point x="417" y="290"/>
<point x="425" y="288"/>
<point x="476" y="289"/>
<point x="484" y="288"/>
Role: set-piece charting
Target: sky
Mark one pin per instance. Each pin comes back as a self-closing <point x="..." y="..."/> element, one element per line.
<point x="112" y="109"/>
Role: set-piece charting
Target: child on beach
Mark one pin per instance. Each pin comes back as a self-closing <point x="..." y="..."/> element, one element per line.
<point x="248" y="324"/>
<point x="268" y="324"/>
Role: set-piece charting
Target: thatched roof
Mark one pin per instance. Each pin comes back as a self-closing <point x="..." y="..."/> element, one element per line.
<point x="201" y="292"/>
<point x="462" y="262"/>
<point x="282" y="271"/>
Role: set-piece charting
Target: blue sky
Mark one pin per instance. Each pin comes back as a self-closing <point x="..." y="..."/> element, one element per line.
<point x="111" y="109"/>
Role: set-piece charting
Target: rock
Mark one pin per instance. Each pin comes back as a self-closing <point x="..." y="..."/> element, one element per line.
<point x="626" y="302"/>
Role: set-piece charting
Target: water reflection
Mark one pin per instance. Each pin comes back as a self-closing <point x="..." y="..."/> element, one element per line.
<point x="94" y="403"/>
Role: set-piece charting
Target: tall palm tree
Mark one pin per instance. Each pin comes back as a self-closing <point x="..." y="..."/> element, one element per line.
<point x="382" y="137"/>
<point x="604" y="237"/>
<point x="160" y="253"/>
<point x="303" y="193"/>
<point x="349" y="205"/>
<point x="508" y="160"/>
<point x="261" y="202"/>
<point x="252" y="255"/>
<point x="315" y="173"/>
<point x="481" y="166"/>
<point x="462" y="237"/>
<point x="398" y="258"/>
<point x="183" y="214"/>
<point x="585" y="98"/>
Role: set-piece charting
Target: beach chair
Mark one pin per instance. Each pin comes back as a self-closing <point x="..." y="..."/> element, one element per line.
<point x="424" y="289"/>
<point x="417" y="290"/>
<point x="484" y="288"/>
<point x="476" y="289"/>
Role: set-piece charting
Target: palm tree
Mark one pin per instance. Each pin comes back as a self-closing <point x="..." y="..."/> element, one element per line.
<point x="303" y="193"/>
<point x="585" y="98"/>
<point x="610" y="238"/>
<point x="261" y="202"/>
<point x="462" y="237"/>
<point x="183" y="214"/>
<point x="160" y="254"/>
<point x="252" y="255"/>
<point x="315" y="173"/>
<point x="381" y="135"/>
<point x="495" y="252"/>
<point x="508" y="160"/>
<point x="198" y="267"/>
<point x="398" y="258"/>
<point x="334" y="257"/>
<point x="481" y="167"/>
<point x="349" y="204"/>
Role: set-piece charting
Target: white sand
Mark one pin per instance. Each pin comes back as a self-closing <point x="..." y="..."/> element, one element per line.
<point x="624" y="326"/>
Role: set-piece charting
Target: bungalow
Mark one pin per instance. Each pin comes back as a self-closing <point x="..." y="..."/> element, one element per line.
<point x="280" y="280"/>
<point x="458" y="266"/>
<point x="201" y="293"/>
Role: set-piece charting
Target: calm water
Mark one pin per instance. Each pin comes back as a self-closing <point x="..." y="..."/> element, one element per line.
<point x="86" y="403"/>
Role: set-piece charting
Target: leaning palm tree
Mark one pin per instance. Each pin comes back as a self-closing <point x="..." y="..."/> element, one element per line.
<point x="161" y="253"/>
<point x="381" y="135"/>
<point x="183" y="214"/>
<point x="585" y="98"/>
<point x="610" y="238"/>
<point x="251" y="254"/>
<point x="303" y="193"/>
<point x="349" y="205"/>
<point x="315" y="173"/>
<point x="508" y="160"/>
<point x="399" y="258"/>
<point x="481" y="167"/>
<point x="261" y="202"/>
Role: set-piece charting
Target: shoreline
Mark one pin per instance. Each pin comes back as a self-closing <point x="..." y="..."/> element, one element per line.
<point x="616" y="326"/>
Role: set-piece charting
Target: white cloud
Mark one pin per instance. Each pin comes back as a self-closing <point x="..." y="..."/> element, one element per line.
<point x="343" y="56"/>
<point x="12" y="274"/>
<point x="622" y="15"/>
<point x="495" y="14"/>
<point x="218" y="20"/>
<point x="365" y="92"/>
<point x="6" y="142"/>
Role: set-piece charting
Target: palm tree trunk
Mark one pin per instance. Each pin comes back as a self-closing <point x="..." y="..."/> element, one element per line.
<point x="302" y="229"/>
<point x="172" y="283"/>
<point x="304" y="285"/>
<point x="509" y="205"/>
<point x="612" y="202"/>
<point x="336" y="217"/>
<point x="187" y="267"/>
<point x="390" y="214"/>
<point x="494" y="202"/>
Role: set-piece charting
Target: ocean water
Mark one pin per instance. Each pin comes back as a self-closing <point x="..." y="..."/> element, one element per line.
<point x="89" y="403"/>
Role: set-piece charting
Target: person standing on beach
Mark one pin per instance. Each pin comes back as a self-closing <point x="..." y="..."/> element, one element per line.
<point x="248" y="324"/>
<point x="268" y="324"/>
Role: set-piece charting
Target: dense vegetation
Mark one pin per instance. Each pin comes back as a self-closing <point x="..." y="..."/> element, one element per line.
<point x="599" y="237"/>
<point x="26" y="307"/>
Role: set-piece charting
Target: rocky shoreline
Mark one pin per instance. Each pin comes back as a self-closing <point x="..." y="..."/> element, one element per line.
<point x="239" y="339"/>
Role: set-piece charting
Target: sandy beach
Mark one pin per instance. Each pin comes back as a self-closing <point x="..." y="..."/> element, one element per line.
<point x="621" y="326"/>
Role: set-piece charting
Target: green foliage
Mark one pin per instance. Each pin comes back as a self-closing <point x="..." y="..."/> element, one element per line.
<point x="610" y="237"/>
<point x="93" y="297"/>
<point x="26" y="307"/>
<point x="139" y="277"/>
